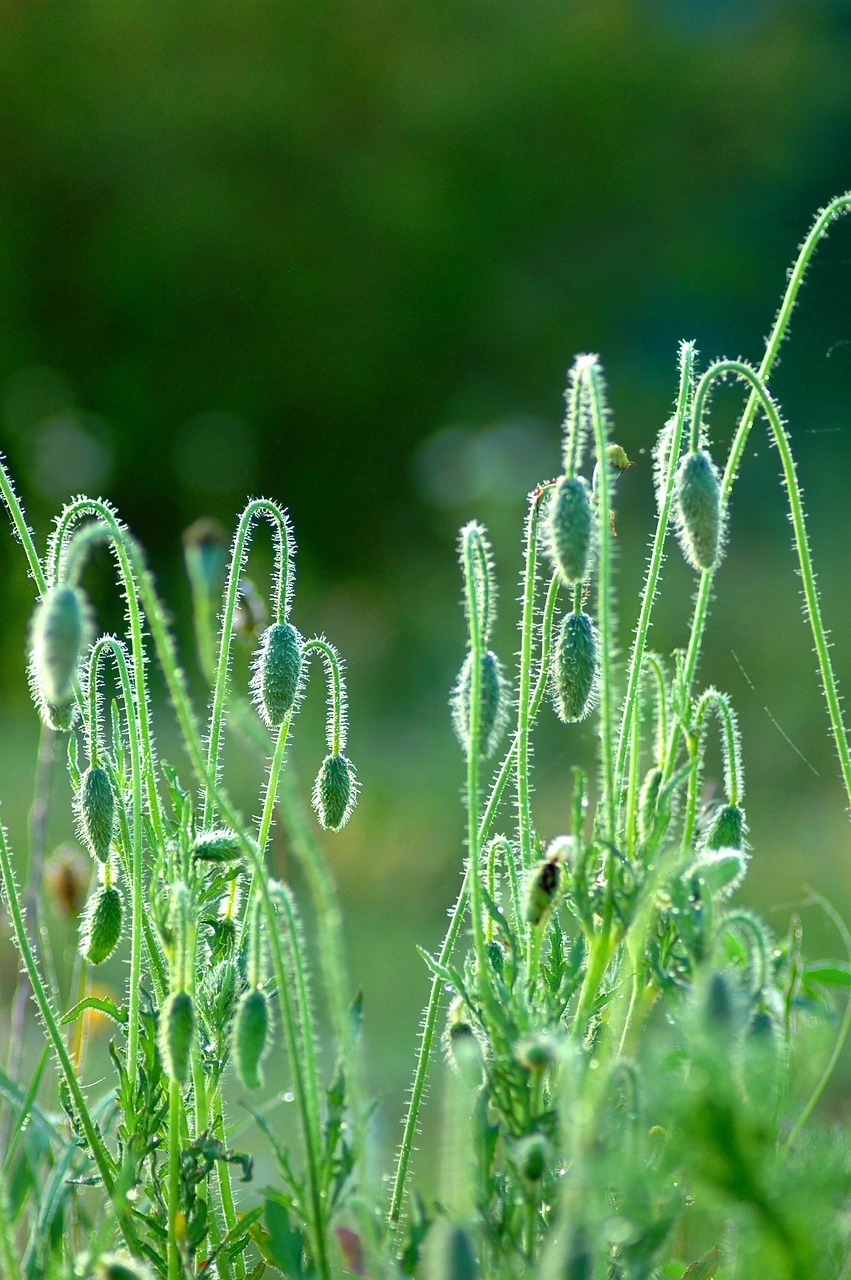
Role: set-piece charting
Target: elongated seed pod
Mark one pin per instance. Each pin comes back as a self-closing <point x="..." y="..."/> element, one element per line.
<point x="698" y="495"/>
<point x="218" y="845"/>
<point x="542" y="889"/>
<point x="176" y="1032"/>
<point x="493" y="714"/>
<point x="59" y="634"/>
<point x="97" y="812"/>
<point x="101" y="924"/>
<point x="727" y="829"/>
<point x="250" y="1037"/>
<point x="570" y="530"/>
<point x="575" y="668"/>
<point x="277" y="672"/>
<point x="335" y="792"/>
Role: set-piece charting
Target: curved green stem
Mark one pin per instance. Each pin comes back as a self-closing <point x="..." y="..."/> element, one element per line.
<point x="527" y="626"/>
<point x="761" y="397"/>
<point x="648" y="594"/>
<point x="111" y="645"/>
<point x="282" y="599"/>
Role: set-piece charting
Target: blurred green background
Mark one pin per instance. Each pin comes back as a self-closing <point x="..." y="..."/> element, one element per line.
<point x="342" y="255"/>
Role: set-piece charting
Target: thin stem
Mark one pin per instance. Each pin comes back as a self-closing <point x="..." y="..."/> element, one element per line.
<point x="527" y="625"/>
<point x="761" y="396"/>
<point x="471" y="536"/>
<point x="648" y="595"/>
<point x="455" y="921"/>
<point x="116" y="649"/>
<point x="282" y="597"/>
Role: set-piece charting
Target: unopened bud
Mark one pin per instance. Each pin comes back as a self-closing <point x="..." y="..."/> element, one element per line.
<point x="97" y="812"/>
<point x="277" y="672"/>
<point x="575" y="670"/>
<point x="101" y="925"/>
<point x="698" y="495"/>
<point x="250" y="1038"/>
<point x="570" y="530"/>
<point x="335" y="792"/>
<point x="176" y="1032"/>
<point x="493" y="713"/>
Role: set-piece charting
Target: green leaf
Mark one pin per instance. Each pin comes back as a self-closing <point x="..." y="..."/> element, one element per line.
<point x="283" y="1244"/>
<point x="102" y="1004"/>
<point x="828" y="975"/>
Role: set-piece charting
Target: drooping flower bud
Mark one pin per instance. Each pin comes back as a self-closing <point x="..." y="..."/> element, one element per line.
<point x="250" y="1037"/>
<point x="97" y="812"/>
<point x="542" y="889"/>
<point x="59" y="634"/>
<point x="101" y="925"/>
<point x="493" y="713"/>
<point x="697" y="489"/>
<point x="570" y="530"/>
<point x="176" y="1032"/>
<point x="217" y="845"/>
<point x="575" y="669"/>
<point x="335" y="792"/>
<point x="277" y="672"/>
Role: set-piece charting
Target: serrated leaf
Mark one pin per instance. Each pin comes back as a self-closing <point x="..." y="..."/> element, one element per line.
<point x="102" y="1004"/>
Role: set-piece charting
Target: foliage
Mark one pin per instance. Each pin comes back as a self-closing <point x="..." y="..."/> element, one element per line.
<point x="624" y="1094"/>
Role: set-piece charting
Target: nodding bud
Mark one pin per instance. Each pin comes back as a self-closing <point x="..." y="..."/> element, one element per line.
<point x="335" y="792"/>
<point x="575" y="669"/>
<point x="542" y="889"/>
<point x="647" y="801"/>
<point x="66" y="875"/>
<point x="277" y="672"/>
<point x="101" y="925"/>
<point x="250" y="1037"/>
<point x="60" y="717"/>
<point x="176" y="1032"/>
<point x="537" y="1052"/>
<point x="570" y="530"/>
<point x="461" y="1046"/>
<point x="720" y="870"/>
<point x="205" y="551"/>
<point x="60" y="633"/>
<point x="727" y="829"/>
<point x="97" y="812"/>
<point x="532" y="1154"/>
<point x="493" y="704"/>
<point x="218" y="845"/>
<point x="697" y="488"/>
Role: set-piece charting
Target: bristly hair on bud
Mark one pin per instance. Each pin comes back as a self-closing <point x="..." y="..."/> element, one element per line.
<point x="570" y="530"/>
<point x="250" y="1037"/>
<point x="479" y="577"/>
<point x="217" y="845"/>
<point x="493" y="706"/>
<point x="176" y="1032"/>
<point x="96" y="812"/>
<point x="335" y="792"/>
<point x="101" y="924"/>
<point x="277" y="673"/>
<point x="727" y="829"/>
<point x="543" y="887"/>
<point x="575" y="668"/>
<point x="60" y="632"/>
<point x="697" y="488"/>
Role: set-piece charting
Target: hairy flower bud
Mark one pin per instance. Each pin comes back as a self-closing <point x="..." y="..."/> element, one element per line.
<point x="217" y="845"/>
<point x="570" y="530"/>
<point x="542" y="889"/>
<point x="575" y="669"/>
<point x="697" y="488"/>
<point x="176" y="1032"/>
<point x="97" y="812"/>
<point x="335" y="792"/>
<point x="60" y="631"/>
<point x="727" y="828"/>
<point x="277" y="672"/>
<point x="101" y="924"/>
<point x="493" y="712"/>
<point x="250" y="1037"/>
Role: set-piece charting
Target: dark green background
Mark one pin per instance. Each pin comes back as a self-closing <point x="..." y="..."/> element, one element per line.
<point x="342" y="254"/>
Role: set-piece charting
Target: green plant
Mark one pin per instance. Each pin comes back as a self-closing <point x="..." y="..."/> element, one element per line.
<point x="621" y="1097"/>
